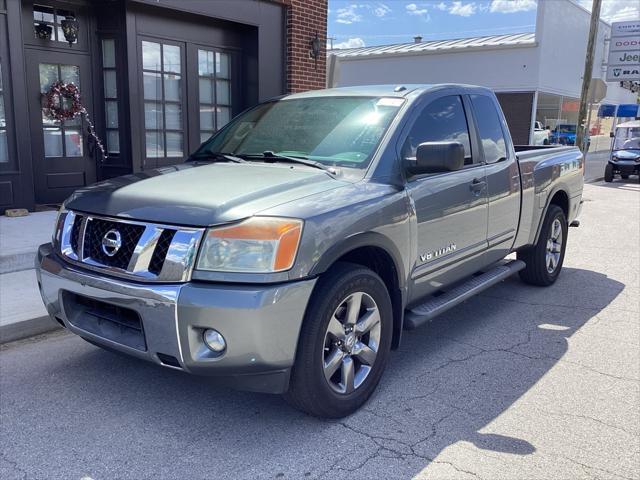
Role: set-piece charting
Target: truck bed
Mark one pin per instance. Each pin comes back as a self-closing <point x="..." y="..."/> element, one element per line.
<point x="528" y="151"/>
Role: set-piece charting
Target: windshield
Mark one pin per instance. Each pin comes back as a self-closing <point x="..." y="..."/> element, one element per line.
<point x="337" y="131"/>
<point x="627" y="138"/>
<point x="566" y="128"/>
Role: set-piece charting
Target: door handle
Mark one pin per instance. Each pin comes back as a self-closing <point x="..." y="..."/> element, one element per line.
<point x="477" y="185"/>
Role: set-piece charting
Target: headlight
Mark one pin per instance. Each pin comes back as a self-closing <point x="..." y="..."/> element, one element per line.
<point x="58" y="225"/>
<point x="614" y="159"/>
<point x="257" y="245"/>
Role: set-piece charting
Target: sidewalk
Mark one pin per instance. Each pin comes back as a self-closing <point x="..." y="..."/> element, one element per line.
<point x="22" y="313"/>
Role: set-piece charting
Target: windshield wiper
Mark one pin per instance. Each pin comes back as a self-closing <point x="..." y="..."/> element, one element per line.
<point x="270" y="156"/>
<point x="216" y="157"/>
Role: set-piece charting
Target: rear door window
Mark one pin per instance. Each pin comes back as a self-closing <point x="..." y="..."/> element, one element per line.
<point x="489" y="128"/>
<point x="442" y="120"/>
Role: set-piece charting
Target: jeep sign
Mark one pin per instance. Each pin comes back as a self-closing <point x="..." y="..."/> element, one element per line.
<point x="623" y="62"/>
<point x="624" y="57"/>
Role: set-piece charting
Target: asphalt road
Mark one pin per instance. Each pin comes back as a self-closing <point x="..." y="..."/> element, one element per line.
<point x="520" y="382"/>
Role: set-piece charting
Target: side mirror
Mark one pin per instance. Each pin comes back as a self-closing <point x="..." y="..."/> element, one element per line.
<point x="434" y="157"/>
<point x="611" y="135"/>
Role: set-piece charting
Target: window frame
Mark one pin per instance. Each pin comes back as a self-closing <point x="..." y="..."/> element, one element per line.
<point x="117" y="67"/>
<point x="12" y="165"/>
<point x="62" y="125"/>
<point x="419" y="107"/>
<point x="214" y="78"/>
<point x="56" y="24"/>
<point x="505" y="135"/>
<point x="28" y="23"/>
<point x="163" y="159"/>
<point x="8" y="165"/>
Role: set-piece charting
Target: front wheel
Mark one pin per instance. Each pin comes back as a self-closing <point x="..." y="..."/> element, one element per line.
<point x="608" y="173"/>
<point x="544" y="259"/>
<point x="344" y="343"/>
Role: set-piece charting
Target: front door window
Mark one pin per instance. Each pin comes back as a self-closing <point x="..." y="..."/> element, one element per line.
<point x="162" y="87"/>
<point x="61" y="139"/>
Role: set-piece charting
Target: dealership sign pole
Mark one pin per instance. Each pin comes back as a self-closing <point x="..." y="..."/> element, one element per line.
<point x="588" y="71"/>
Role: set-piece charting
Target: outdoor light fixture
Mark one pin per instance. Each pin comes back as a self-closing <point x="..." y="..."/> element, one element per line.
<point x="70" y="27"/>
<point x="43" y="31"/>
<point x="314" y="47"/>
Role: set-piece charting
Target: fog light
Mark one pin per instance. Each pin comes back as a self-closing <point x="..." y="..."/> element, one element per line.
<point x="214" y="340"/>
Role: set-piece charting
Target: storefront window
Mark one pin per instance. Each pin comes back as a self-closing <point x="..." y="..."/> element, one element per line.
<point x="110" y="95"/>
<point x="162" y="88"/>
<point x="214" y="91"/>
<point x="558" y="115"/>
<point x="4" y="150"/>
<point x="47" y="22"/>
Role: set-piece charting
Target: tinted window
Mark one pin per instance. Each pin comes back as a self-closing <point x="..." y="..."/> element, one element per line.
<point x="489" y="128"/>
<point x="442" y="120"/>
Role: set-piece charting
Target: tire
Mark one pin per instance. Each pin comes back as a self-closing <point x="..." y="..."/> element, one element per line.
<point x="540" y="269"/>
<point x="624" y="176"/>
<point x="608" y="173"/>
<point x="309" y="389"/>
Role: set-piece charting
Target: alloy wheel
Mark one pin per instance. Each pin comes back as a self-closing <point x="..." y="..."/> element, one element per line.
<point x="554" y="246"/>
<point x="351" y="342"/>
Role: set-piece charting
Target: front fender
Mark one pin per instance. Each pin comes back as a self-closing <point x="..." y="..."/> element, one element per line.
<point x="365" y="239"/>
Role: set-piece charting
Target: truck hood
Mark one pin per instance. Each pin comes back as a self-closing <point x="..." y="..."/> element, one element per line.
<point x="201" y="194"/>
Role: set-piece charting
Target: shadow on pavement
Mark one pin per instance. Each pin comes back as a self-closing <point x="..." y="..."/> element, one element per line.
<point x="447" y="382"/>
<point x="630" y="184"/>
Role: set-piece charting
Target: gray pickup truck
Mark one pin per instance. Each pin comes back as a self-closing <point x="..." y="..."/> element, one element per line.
<point x="289" y="252"/>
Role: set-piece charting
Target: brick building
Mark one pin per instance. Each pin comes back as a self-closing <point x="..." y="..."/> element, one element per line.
<point x="157" y="77"/>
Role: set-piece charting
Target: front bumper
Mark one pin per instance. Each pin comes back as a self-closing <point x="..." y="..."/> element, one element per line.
<point x="627" y="167"/>
<point x="163" y="323"/>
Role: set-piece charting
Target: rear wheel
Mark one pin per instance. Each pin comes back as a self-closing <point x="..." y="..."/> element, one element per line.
<point x="608" y="173"/>
<point x="344" y="343"/>
<point x="544" y="260"/>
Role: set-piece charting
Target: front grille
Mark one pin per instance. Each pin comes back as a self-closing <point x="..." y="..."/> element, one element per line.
<point x="75" y="233"/>
<point x="95" y="232"/>
<point x="143" y="251"/>
<point x="160" y="253"/>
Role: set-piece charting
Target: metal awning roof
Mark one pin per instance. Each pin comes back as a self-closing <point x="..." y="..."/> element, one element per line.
<point x="425" y="47"/>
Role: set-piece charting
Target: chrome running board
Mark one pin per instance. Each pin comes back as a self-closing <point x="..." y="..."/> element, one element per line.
<point x="433" y="307"/>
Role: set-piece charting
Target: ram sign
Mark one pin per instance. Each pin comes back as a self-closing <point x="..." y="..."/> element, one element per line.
<point x="623" y="63"/>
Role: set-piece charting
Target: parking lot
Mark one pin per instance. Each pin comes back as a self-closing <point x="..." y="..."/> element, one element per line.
<point x="518" y="383"/>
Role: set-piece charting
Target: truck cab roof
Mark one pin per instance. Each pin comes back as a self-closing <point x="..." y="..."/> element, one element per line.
<point x="390" y="90"/>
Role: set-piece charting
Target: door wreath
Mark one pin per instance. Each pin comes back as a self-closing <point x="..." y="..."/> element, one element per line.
<point x="58" y="109"/>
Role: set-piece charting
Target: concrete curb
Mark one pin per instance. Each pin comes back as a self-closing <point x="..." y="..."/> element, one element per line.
<point x="27" y="328"/>
<point x="17" y="262"/>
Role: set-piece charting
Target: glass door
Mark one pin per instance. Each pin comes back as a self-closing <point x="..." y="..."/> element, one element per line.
<point x="62" y="162"/>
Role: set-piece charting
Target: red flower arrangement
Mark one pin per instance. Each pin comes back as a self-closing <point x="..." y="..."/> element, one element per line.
<point x="56" y="108"/>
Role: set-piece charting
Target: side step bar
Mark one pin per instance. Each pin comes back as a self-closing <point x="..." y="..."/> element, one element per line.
<point x="435" y="306"/>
